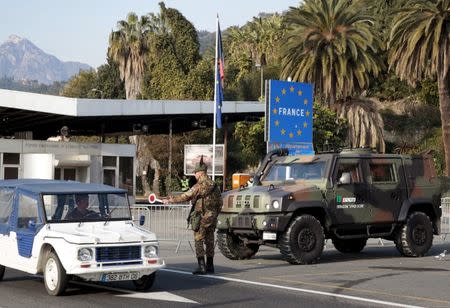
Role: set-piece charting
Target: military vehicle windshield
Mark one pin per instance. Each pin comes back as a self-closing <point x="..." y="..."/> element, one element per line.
<point x="297" y="171"/>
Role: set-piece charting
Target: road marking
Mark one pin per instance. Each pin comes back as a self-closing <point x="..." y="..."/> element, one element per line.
<point x="274" y="286"/>
<point x="334" y="273"/>
<point x="358" y="290"/>
<point x="162" y="296"/>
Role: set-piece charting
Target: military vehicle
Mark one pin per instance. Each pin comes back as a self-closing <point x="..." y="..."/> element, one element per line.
<point x="297" y="202"/>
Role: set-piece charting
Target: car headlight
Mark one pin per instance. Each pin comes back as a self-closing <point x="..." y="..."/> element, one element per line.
<point x="85" y="254"/>
<point x="151" y="251"/>
<point x="276" y="204"/>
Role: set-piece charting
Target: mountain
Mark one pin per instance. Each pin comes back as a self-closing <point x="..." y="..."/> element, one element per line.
<point x="22" y="60"/>
<point x="207" y="40"/>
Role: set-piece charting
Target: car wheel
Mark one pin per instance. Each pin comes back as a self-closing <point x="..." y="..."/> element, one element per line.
<point x="303" y="241"/>
<point x="415" y="237"/>
<point x="145" y="283"/>
<point x="55" y="277"/>
<point x="2" y="272"/>
<point x="353" y="245"/>
<point x="232" y="247"/>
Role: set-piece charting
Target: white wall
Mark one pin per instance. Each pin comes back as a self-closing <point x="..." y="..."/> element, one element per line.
<point x="38" y="166"/>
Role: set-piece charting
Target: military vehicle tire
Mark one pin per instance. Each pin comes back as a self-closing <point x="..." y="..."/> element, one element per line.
<point x="2" y="272"/>
<point x="145" y="283"/>
<point x="233" y="247"/>
<point x="354" y="245"/>
<point x="303" y="241"/>
<point x="415" y="237"/>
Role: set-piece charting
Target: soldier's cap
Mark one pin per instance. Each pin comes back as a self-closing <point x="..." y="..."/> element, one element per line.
<point x="200" y="166"/>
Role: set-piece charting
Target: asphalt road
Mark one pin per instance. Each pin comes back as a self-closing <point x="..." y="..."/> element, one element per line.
<point x="376" y="277"/>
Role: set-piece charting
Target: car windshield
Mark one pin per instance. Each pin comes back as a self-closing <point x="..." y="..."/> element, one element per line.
<point x="298" y="171"/>
<point x="86" y="207"/>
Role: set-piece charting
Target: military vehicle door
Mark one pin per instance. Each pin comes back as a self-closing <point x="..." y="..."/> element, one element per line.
<point x="350" y="192"/>
<point x="387" y="188"/>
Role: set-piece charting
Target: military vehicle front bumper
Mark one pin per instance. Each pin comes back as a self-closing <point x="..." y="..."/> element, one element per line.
<point x="257" y="222"/>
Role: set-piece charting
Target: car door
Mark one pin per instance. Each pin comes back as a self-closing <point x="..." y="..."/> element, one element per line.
<point x="27" y="223"/>
<point x="349" y="204"/>
<point x="387" y="188"/>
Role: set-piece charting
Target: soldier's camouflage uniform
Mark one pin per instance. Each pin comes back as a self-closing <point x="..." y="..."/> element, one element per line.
<point x="208" y="202"/>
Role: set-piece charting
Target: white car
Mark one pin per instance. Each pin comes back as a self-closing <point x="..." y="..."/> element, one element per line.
<point x="65" y="229"/>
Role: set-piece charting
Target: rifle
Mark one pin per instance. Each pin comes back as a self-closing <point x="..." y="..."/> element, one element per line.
<point x="188" y="219"/>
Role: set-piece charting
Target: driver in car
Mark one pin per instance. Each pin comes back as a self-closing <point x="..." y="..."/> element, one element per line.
<point x="81" y="210"/>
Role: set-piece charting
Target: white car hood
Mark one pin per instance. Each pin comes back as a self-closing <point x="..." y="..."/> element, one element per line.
<point x="99" y="232"/>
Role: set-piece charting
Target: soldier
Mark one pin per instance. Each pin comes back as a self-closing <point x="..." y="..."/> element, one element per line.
<point x="207" y="201"/>
<point x="184" y="184"/>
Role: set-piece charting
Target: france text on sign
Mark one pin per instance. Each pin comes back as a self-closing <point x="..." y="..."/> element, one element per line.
<point x="290" y="112"/>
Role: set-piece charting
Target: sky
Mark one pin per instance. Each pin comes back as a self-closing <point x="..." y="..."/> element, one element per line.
<point x="78" y="30"/>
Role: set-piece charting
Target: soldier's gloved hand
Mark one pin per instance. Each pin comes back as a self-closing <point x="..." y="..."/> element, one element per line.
<point x="165" y="201"/>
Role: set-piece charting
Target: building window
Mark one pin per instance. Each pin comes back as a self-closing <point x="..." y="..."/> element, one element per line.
<point x="70" y="174"/>
<point x="67" y="174"/>
<point x="126" y="174"/>
<point x="57" y="173"/>
<point x="11" y="173"/>
<point x="11" y="158"/>
<point x="109" y="177"/>
<point x="11" y="165"/>
<point x="109" y="161"/>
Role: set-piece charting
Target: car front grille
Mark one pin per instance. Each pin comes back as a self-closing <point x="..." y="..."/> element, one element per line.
<point x="121" y="253"/>
<point x="245" y="201"/>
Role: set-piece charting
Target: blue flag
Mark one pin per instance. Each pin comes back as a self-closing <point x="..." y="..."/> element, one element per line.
<point x="219" y="77"/>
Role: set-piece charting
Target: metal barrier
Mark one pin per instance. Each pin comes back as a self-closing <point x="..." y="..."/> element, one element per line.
<point x="168" y="222"/>
<point x="445" y="218"/>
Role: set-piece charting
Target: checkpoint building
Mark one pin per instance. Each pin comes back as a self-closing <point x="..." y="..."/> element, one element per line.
<point x="28" y="120"/>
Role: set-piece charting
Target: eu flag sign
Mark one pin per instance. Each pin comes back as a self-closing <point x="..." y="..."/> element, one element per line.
<point x="290" y="112"/>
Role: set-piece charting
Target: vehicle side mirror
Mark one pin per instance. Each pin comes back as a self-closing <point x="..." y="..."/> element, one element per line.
<point x="345" y="179"/>
<point x="142" y="220"/>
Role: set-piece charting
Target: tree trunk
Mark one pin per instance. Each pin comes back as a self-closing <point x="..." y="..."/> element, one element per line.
<point x="145" y="162"/>
<point x="444" y="105"/>
<point x="364" y="122"/>
<point x="133" y="86"/>
<point x="332" y="94"/>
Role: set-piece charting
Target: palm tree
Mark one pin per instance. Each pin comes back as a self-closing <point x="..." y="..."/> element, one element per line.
<point x="127" y="47"/>
<point x="257" y="41"/>
<point x="420" y="46"/>
<point x="331" y="44"/>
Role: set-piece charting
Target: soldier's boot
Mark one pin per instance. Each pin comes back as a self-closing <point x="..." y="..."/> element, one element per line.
<point x="210" y="265"/>
<point x="201" y="269"/>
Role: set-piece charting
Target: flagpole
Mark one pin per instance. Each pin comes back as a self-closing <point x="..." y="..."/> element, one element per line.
<point x="215" y="101"/>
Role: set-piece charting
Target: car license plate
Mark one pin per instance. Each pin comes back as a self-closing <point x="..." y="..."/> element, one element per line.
<point x="269" y="236"/>
<point x="120" y="276"/>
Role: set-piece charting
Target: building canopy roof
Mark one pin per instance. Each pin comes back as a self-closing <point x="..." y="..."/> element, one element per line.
<point x="45" y="115"/>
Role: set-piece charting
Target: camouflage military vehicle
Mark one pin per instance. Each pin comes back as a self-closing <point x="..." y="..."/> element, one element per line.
<point x="297" y="202"/>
